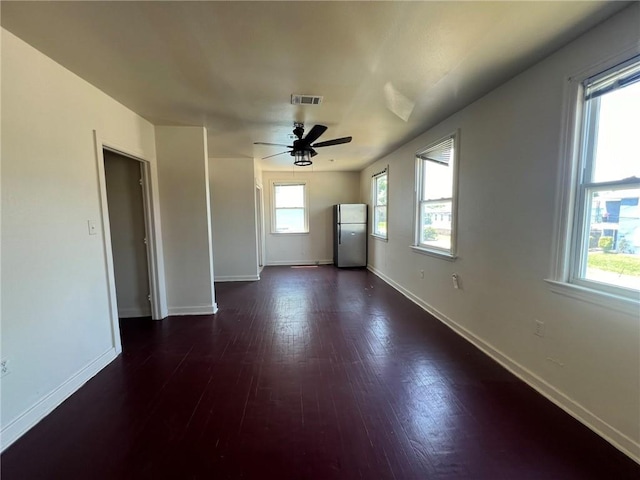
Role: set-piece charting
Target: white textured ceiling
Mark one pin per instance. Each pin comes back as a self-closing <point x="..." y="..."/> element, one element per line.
<point x="387" y="70"/>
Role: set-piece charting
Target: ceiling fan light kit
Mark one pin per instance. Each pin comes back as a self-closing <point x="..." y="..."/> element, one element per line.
<point x="302" y="159"/>
<point x="303" y="149"/>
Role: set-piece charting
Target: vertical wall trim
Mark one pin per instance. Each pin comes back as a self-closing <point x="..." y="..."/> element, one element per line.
<point x="207" y="189"/>
<point x="106" y="245"/>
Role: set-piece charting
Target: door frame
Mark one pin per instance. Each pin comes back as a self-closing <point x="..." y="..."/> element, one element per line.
<point x="152" y="234"/>
<point x="259" y="200"/>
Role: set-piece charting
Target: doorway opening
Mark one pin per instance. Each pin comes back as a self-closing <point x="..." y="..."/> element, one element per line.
<point x="153" y="247"/>
<point x="125" y="199"/>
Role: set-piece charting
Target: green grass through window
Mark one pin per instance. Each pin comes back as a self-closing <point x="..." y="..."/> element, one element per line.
<point x="615" y="262"/>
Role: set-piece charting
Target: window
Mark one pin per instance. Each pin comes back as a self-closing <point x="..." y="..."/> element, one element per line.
<point x="605" y="245"/>
<point x="290" y="208"/>
<point x="379" y="191"/>
<point x="436" y="181"/>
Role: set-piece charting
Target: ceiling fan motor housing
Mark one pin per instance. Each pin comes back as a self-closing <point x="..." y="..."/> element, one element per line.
<point x="298" y="131"/>
<point x="302" y="149"/>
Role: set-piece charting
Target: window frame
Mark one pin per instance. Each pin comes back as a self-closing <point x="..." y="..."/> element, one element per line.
<point x="279" y="183"/>
<point x="374" y="203"/>
<point x="574" y="188"/>
<point x="417" y="246"/>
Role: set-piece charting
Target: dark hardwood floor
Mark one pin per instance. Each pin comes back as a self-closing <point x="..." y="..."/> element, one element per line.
<point x="311" y="373"/>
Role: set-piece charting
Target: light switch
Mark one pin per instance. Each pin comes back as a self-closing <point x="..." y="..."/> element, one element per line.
<point x="92" y="227"/>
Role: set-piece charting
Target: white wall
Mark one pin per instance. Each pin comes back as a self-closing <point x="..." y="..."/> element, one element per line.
<point x="588" y="361"/>
<point x="56" y="324"/>
<point x="324" y="189"/>
<point x="183" y="174"/>
<point x="126" y="219"/>
<point x="234" y="219"/>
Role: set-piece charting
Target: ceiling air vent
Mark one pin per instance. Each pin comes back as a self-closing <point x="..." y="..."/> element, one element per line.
<point x="306" y="99"/>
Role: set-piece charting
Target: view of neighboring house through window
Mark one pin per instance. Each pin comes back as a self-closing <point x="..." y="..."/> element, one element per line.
<point x="379" y="191"/>
<point x="435" y="189"/>
<point x="290" y="208"/>
<point x="606" y="240"/>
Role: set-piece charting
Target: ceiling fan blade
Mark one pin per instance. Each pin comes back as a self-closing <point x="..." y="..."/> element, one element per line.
<point x="335" y="141"/>
<point x="274" y="144"/>
<point x="314" y="134"/>
<point x="274" y="155"/>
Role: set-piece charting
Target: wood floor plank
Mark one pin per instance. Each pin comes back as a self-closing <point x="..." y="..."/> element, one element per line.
<point x="315" y="373"/>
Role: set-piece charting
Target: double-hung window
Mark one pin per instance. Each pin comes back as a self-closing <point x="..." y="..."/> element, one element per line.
<point x="379" y="189"/>
<point x="290" y="212"/>
<point x="436" y="185"/>
<point x="604" y="251"/>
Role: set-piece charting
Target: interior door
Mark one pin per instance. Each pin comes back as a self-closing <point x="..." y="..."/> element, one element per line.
<point x="128" y="234"/>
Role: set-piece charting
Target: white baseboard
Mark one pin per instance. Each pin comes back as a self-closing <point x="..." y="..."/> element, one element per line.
<point x="43" y="407"/>
<point x="237" y="278"/>
<point x="134" y="312"/>
<point x="294" y="263"/>
<point x="616" y="438"/>
<point x="199" y="310"/>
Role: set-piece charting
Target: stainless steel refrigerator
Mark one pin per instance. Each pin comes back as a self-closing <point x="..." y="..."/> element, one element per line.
<point x="350" y="235"/>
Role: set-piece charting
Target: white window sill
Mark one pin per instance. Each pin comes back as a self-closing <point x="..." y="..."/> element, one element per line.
<point x="289" y="233"/>
<point x="433" y="253"/>
<point x="378" y="237"/>
<point x="602" y="299"/>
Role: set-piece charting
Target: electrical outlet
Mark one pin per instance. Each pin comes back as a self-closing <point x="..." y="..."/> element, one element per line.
<point x="4" y="367"/>
<point x="539" y="331"/>
<point x="421" y="273"/>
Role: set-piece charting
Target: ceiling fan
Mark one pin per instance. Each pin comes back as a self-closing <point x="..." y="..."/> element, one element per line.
<point x="303" y="149"/>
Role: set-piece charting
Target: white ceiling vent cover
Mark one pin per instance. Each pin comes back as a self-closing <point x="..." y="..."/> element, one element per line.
<point x="306" y="99"/>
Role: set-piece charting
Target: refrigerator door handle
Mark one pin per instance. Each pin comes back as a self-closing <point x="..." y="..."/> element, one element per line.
<point x="339" y="235"/>
<point x="339" y="219"/>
